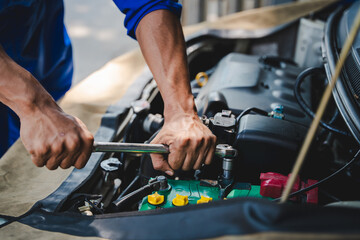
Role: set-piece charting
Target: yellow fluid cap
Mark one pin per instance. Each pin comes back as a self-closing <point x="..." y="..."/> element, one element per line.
<point x="155" y="199"/>
<point x="180" y="200"/>
<point x="204" y="200"/>
<point x="201" y="78"/>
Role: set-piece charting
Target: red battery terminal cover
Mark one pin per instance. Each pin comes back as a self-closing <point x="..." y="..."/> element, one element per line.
<point x="272" y="185"/>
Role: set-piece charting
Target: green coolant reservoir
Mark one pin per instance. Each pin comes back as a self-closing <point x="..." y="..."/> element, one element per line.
<point x="182" y="193"/>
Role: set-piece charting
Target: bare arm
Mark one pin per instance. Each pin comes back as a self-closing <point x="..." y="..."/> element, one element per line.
<point x="191" y="143"/>
<point x="52" y="137"/>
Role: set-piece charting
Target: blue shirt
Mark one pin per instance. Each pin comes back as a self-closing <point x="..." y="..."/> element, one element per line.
<point x="135" y="10"/>
<point x="33" y="34"/>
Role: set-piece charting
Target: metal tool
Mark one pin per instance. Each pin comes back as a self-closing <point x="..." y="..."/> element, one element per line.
<point x="129" y="147"/>
<point x="222" y="150"/>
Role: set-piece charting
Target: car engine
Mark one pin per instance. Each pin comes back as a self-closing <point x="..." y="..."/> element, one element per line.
<point x="258" y="96"/>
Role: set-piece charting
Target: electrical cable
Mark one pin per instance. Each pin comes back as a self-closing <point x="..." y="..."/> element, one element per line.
<point x="334" y="117"/>
<point x="251" y="109"/>
<point x="353" y="160"/>
<point x="128" y="187"/>
<point x="305" y="107"/>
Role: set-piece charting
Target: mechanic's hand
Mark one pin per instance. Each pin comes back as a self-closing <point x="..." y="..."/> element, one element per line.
<point x="190" y="143"/>
<point x="54" y="138"/>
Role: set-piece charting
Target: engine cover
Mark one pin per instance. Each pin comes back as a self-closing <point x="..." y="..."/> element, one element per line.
<point x="242" y="81"/>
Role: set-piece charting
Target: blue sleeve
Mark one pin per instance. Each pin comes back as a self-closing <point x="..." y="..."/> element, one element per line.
<point x="135" y="10"/>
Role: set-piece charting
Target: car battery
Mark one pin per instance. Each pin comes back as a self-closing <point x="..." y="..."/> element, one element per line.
<point x="182" y="193"/>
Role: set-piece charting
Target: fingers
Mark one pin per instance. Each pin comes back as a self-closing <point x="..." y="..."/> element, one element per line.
<point x="71" y="152"/>
<point x="64" y="148"/>
<point x="160" y="164"/>
<point x="57" y="156"/>
<point x="88" y="141"/>
<point x="193" y="154"/>
<point x="40" y="155"/>
<point x="202" y="152"/>
<point x="188" y="149"/>
<point x="199" y="161"/>
<point x="211" y="150"/>
<point x="177" y="154"/>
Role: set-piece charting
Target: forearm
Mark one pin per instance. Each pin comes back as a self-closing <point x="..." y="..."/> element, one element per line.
<point x="19" y="90"/>
<point x="190" y="142"/>
<point x="162" y="43"/>
<point x="52" y="137"/>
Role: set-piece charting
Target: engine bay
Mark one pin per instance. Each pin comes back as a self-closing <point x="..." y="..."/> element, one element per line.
<point x="258" y="96"/>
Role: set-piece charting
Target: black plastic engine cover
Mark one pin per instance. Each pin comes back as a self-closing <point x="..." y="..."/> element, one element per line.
<point x="267" y="145"/>
<point x="242" y="82"/>
<point x="264" y="143"/>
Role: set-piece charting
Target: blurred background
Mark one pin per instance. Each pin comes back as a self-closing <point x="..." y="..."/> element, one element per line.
<point x="98" y="35"/>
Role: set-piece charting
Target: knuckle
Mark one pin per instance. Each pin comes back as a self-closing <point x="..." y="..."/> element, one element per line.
<point x="80" y="163"/>
<point x="52" y="166"/>
<point x="32" y="151"/>
<point x="41" y="151"/>
<point x="57" y="148"/>
<point x="78" y="166"/>
<point x="72" y="143"/>
<point x="38" y="162"/>
<point x="65" y="164"/>
<point x="90" y="138"/>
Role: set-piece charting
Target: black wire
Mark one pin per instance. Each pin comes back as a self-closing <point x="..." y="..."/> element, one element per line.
<point x="353" y="160"/>
<point x="128" y="187"/>
<point x="334" y="117"/>
<point x="251" y="109"/>
<point x="303" y="104"/>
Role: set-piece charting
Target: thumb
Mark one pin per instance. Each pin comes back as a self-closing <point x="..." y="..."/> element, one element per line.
<point x="161" y="164"/>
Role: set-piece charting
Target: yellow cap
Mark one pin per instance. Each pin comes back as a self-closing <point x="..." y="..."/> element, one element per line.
<point x="204" y="200"/>
<point x="155" y="199"/>
<point x="199" y="76"/>
<point x="180" y="200"/>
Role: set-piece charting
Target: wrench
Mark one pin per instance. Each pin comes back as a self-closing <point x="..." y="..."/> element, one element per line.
<point x="129" y="147"/>
<point x="222" y="150"/>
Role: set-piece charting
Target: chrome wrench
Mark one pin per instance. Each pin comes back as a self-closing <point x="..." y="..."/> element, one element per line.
<point x="222" y="150"/>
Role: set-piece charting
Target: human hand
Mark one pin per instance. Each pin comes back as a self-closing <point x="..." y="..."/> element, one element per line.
<point x="54" y="138"/>
<point x="190" y="143"/>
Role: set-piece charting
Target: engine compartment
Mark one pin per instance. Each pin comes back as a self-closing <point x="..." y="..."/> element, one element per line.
<point x="250" y="104"/>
